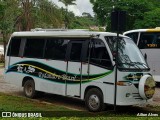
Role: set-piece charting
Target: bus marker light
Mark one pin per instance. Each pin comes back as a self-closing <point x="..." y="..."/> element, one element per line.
<point x="124" y="83"/>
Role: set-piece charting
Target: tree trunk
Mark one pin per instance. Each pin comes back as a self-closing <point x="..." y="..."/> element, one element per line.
<point x="5" y="39"/>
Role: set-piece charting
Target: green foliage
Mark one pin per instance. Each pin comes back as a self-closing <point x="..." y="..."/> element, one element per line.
<point x="47" y="15"/>
<point x="82" y="23"/>
<point x="68" y="2"/>
<point x="23" y="15"/>
<point x="151" y="19"/>
<point x="140" y="13"/>
<point x="7" y="16"/>
<point x="102" y="8"/>
<point x="13" y="103"/>
<point x="66" y="13"/>
<point x="135" y="10"/>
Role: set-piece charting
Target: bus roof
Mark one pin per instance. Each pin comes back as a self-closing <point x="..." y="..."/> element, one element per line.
<point x="157" y="29"/>
<point x="62" y="33"/>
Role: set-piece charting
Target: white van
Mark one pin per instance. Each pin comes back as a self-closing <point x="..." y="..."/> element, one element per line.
<point x="1" y="50"/>
<point x="148" y="41"/>
<point x="78" y="64"/>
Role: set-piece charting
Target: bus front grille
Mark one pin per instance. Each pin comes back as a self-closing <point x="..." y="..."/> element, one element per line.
<point x="137" y="96"/>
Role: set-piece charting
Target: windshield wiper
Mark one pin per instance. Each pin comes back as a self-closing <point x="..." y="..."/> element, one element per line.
<point x="139" y="63"/>
<point x="129" y="64"/>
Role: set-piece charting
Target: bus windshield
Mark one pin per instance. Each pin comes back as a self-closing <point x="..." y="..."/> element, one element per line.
<point x="129" y="56"/>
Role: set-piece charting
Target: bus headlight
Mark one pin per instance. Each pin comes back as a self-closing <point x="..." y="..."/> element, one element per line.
<point x="146" y="87"/>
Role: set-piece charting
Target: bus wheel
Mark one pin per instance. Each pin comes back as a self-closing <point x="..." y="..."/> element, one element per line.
<point x="94" y="100"/>
<point x="29" y="89"/>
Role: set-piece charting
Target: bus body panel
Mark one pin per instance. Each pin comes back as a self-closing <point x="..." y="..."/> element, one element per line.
<point x="41" y="75"/>
<point x="153" y="60"/>
<point x="72" y="77"/>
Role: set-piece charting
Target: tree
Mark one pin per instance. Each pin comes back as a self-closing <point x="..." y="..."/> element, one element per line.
<point x="135" y="10"/>
<point x="151" y="19"/>
<point x="67" y="3"/>
<point x="25" y="18"/>
<point x="85" y="14"/>
<point x="48" y="15"/>
<point x="82" y="23"/>
<point x="8" y="10"/>
<point x="22" y="15"/>
<point x="38" y="13"/>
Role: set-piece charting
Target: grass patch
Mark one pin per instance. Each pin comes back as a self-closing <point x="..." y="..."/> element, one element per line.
<point x="22" y="104"/>
<point x="14" y="103"/>
<point x="1" y="64"/>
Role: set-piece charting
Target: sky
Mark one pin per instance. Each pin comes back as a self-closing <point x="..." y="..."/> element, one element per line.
<point x="80" y="7"/>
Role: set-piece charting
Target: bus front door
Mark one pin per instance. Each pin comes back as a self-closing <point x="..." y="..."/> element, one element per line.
<point x="75" y="68"/>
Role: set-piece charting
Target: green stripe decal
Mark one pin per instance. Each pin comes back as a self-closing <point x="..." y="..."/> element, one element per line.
<point x="46" y="72"/>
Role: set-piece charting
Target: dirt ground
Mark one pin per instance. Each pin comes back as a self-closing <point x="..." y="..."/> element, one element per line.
<point x="55" y="99"/>
<point x="8" y="88"/>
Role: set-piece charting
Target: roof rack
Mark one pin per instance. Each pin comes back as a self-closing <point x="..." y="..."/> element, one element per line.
<point x="157" y="28"/>
<point x="41" y="29"/>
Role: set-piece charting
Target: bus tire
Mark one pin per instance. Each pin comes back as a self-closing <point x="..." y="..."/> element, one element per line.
<point x="158" y="84"/>
<point x="29" y="89"/>
<point x="94" y="100"/>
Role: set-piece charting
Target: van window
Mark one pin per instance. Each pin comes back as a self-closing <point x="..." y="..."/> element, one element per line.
<point x="149" y="40"/>
<point x="56" y="49"/>
<point x="99" y="54"/>
<point x="14" y="46"/>
<point x="34" y="47"/>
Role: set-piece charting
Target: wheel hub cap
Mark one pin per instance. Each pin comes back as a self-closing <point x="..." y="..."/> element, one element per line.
<point x="94" y="101"/>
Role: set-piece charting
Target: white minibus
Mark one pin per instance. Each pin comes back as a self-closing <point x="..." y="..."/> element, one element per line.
<point x="148" y="41"/>
<point x="79" y="64"/>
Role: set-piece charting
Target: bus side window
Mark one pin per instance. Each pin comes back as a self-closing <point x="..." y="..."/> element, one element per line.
<point x="56" y="49"/>
<point x="134" y="36"/>
<point x="99" y="54"/>
<point x="34" y="47"/>
<point x="158" y="41"/>
<point x="14" y="46"/>
<point x="146" y="40"/>
<point x="75" y="53"/>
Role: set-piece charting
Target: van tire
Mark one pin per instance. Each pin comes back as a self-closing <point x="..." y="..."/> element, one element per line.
<point x="29" y="89"/>
<point x="94" y="100"/>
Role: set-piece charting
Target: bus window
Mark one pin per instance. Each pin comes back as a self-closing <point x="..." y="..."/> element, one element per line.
<point x="99" y="54"/>
<point x="158" y="40"/>
<point x="134" y="36"/>
<point x="34" y="47"/>
<point x="149" y="40"/>
<point x="14" y="47"/>
<point x="56" y="49"/>
<point x="76" y="49"/>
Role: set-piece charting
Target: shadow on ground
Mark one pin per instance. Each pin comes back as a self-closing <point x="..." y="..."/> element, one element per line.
<point x="78" y="108"/>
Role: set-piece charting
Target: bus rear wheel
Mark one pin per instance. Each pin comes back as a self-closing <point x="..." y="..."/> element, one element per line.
<point x="94" y="100"/>
<point x="29" y="89"/>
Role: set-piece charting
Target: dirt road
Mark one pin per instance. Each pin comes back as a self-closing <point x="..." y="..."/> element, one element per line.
<point x="55" y="99"/>
<point x="8" y="88"/>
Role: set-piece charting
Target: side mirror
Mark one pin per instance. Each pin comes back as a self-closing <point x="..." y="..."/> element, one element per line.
<point x="145" y="57"/>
